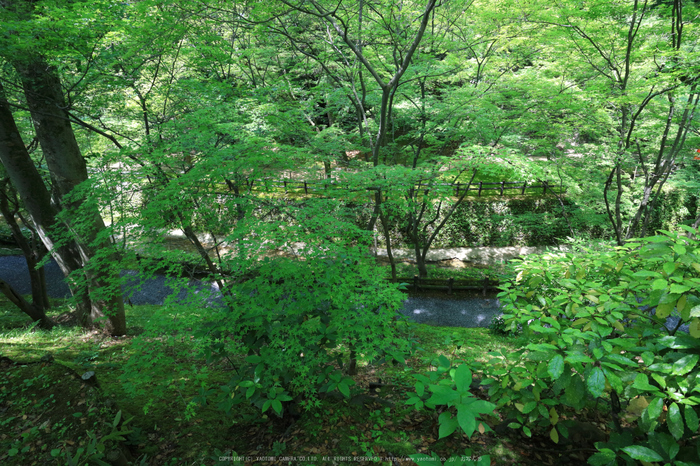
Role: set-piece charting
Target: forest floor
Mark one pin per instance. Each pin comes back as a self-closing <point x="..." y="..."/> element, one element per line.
<point x="48" y="412"/>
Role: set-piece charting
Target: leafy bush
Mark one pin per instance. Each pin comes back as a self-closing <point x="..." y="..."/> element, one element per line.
<point x="459" y="408"/>
<point x="594" y="337"/>
<point x="289" y="321"/>
<point x="290" y="331"/>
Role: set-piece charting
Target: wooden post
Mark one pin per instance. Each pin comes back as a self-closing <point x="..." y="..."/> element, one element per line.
<point x="524" y="184"/>
<point x="503" y="183"/>
<point x="544" y="188"/>
<point x="457" y="195"/>
<point x="285" y="186"/>
<point x="306" y="188"/>
<point x="479" y="195"/>
<point x="415" y="283"/>
<point x="450" y="282"/>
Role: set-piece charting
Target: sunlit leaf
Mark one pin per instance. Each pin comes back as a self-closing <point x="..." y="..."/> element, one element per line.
<point x="463" y="378"/>
<point x="555" y="368"/>
<point x="466" y="419"/>
<point x="685" y="364"/>
<point x="664" y="310"/>
<point x="675" y="421"/>
<point x="659" y="284"/>
<point x="642" y="453"/>
<point x="554" y="435"/>
<point x="596" y="382"/>
<point x="448" y="425"/>
<point x="694" y="328"/>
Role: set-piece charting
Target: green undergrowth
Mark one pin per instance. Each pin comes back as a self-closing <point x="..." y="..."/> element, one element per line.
<point x="51" y="416"/>
<point x="11" y="317"/>
<point x="374" y="421"/>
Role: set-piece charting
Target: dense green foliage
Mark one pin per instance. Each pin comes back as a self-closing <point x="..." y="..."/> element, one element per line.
<point x="180" y="121"/>
<point x="594" y="336"/>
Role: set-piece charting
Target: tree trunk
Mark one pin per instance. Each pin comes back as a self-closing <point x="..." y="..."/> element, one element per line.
<point x="40" y="301"/>
<point x="420" y="262"/>
<point x="387" y="238"/>
<point x="41" y="287"/>
<point x="352" y="361"/>
<point x="612" y="215"/>
<point x="37" y="200"/>
<point x="413" y="224"/>
<point x="42" y="89"/>
<point x="33" y="256"/>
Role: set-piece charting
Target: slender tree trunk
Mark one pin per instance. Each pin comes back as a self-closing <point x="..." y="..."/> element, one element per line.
<point x="412" y="230"/>
<point x="422" y="251"/>
<point x="42" y="287"/>
<point x="213" y="269"/>
<point x="387" y="238"/>
<point x="32" y="253"/>
<point x="415" y="238"/>
<point x="377" y="207"/>
<point x="37" y="278"/>
<point x="608" y="209"/>
<point x="381" y="134"/>
<point x="233" y="186"/>
<point x="420" y="262"/>
<point x="352" y="361"/>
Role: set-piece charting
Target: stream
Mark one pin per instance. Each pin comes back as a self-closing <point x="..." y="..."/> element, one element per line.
<point x="459" y="312"/>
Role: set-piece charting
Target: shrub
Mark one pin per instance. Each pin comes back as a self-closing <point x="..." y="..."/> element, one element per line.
<point x="289" y="321"/>
<point x="594" y="338"/>
<point x="447" y="390"/>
